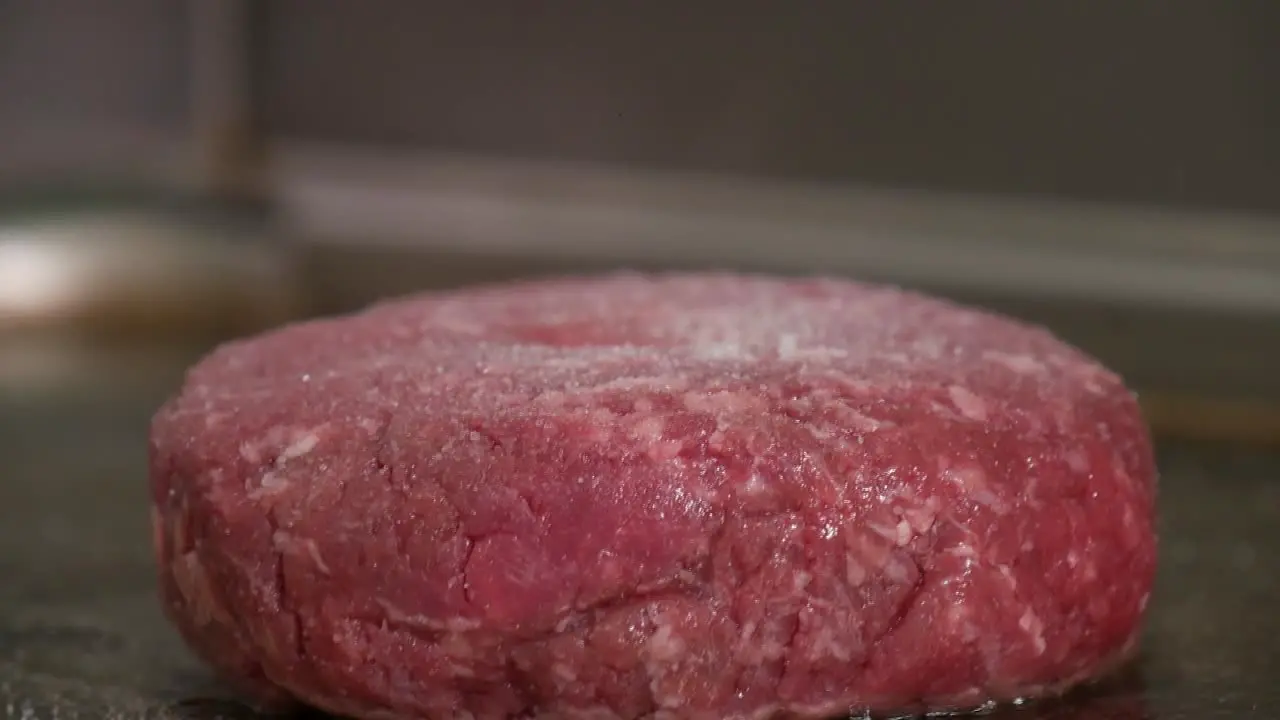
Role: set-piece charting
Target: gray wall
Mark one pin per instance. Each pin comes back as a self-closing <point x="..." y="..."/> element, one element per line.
<point x="1174" y="102"/>
<point x="86" y="84"/>
<point x="1168" y="102"/>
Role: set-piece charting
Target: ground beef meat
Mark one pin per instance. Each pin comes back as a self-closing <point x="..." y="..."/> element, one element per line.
<point x="678" y="496"/>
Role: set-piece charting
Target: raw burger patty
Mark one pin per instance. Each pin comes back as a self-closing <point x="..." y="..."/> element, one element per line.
<point x="677" y="496"/>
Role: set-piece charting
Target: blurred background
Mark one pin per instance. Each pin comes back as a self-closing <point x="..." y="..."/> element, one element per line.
<point x="207" y="168"/>
<point x="174" y="174"/>
<point x="210" y="167"/>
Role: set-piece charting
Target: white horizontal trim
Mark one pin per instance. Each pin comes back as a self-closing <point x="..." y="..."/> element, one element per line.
<point x="352" y="195"/>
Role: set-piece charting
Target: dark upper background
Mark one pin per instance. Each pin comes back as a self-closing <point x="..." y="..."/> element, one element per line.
<point x="1171" y="102"/>
<point x="1163" y="102"/>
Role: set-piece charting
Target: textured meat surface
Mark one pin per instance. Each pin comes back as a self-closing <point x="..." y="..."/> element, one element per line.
<point x="684" y="496"/>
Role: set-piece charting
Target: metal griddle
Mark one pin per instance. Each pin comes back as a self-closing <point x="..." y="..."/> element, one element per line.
<point x="81" y="634"/>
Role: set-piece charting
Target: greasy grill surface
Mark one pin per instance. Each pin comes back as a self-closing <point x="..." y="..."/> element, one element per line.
<point x="81" y="635"/>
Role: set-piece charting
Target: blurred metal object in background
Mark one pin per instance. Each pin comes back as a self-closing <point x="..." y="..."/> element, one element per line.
<point x="97" y="291"/>
<point x="226" y="128"/>
<point x="139" y="125"/>
<point x="129" y="273"/>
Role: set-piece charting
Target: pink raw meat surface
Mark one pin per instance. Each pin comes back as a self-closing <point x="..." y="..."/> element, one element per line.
<point x="672" y="496"/>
